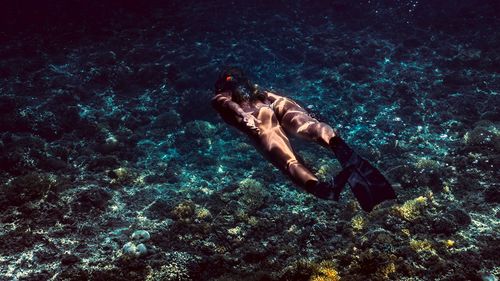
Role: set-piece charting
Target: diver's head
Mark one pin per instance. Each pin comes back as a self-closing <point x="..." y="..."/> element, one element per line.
<point x="234" y="80"/>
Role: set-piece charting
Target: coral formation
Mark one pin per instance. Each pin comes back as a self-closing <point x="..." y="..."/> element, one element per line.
<point x="412" y="209"/>
<point x="325" y="271"/>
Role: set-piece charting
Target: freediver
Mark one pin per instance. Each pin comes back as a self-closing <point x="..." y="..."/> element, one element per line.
<point x="268" y="119"/>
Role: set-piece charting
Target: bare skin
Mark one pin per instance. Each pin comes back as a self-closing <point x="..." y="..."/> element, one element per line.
<point x="268" y="122"/>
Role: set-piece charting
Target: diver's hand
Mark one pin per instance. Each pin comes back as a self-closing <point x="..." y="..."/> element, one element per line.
<point x="251" y="122"/>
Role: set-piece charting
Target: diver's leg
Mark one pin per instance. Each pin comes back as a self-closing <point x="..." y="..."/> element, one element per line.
<point x="297" y="121"/>
<point x="369" y="186"/>
<point x="276" y="147"/>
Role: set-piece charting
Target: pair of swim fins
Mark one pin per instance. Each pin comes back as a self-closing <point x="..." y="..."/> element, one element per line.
<point x="369" y="186"/>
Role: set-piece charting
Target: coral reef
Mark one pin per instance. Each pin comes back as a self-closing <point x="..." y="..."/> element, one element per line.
<point x="114" y="166"/>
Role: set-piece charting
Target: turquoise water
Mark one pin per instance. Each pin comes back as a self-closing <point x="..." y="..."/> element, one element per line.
<point x="113" y="164"/>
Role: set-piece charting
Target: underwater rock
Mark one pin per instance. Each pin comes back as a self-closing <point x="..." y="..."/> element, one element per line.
<point x="46" y="125"/>
<point x="150" y="74"/>
<point x="451" y="222"/>
<point x="466" y="58"/>
<point x="200" y="129"/>
<point x="8" y="105"/>
<point x="160" y="209"/>
<point x="133" y="122"/>
<point x="168" y="176"/>
<point x="52" y="164"/>
<point x="444" y="226"/>
<point x="21" y="154"/>
<point x="184" y="211"/>
<point x="176" y="266"/>
<point x="121" y="175"/>
<point x="64" y="96"/>
<point x="15" y="122"/>
<point x="141" y="249"/>
<point x="99" y="163"/>
<point x="109" y="146"/>
<point x="140" y="235"/>
<point x="492" y="193"/>
<point x="357" y="74"/>
<point x="262" y="172"/>
<point x="486" y="276"/>
<point x="456" y="80"/>
<point x="172" y="73"/>
<point x="429" y="172"/>
<point x="129" y="249"/>
<point x="167" y="120"/>
<point x="379" y="238"/>
<point x="71" y="120"/>
<point x="460" y="217"/>
<point x="485" y="134"/>
<point x="132" y="250"/>
<point x="138" y="73"/>
<point x="29" y="188"/>
<point x="103" y="58"/>
<point x="93" y="198"/>
<point x="69" y="259"/>
<point x="251" y="194"/>
<point x="492" y="116"/>
<point x="184" y="82"/>
<point x="245" y="198"/>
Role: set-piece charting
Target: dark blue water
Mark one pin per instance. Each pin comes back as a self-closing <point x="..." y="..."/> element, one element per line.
<point x="113" y="164"/>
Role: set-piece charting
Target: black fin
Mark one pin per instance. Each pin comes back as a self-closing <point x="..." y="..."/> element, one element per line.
<point x="339" y="182"/>
<point x="342" y="151"/>
<point x="369" y="186"/>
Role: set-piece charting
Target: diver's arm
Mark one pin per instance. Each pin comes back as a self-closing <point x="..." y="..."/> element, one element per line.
<point x="224" y="104"/>
<point x="230" y="111"/>
<point x="233" y="114"/>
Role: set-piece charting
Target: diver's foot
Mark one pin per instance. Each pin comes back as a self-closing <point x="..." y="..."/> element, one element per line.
<point x="326" y="190"/>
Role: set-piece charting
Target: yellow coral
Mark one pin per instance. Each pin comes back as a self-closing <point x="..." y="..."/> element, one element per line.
<point x="120" y="172"/>
<point x="425" y="163"/>
<point x="325" y="272"/>
<point x="202" y="213"/>
<point x="449" y="243"/>
<point x="412" y="209"/>
<point x="185" y="210"/>
<point x="234" y="231"/>
<point x="253" y="221"/>
<point x="388" y="269"/>
<point x="421" y="245"/>
<point x="358" y="223"/>
<point x="325" y="171"/>
<point x="120" y="175"/>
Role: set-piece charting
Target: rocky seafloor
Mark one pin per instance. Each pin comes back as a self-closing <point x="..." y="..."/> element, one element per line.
<point x="113" y="165"/>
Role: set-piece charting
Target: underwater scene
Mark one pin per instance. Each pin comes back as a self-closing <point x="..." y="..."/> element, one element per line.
<point x="117" y="162"/>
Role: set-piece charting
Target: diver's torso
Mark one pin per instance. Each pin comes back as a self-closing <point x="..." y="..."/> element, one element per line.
<point x="254" y="106"/>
